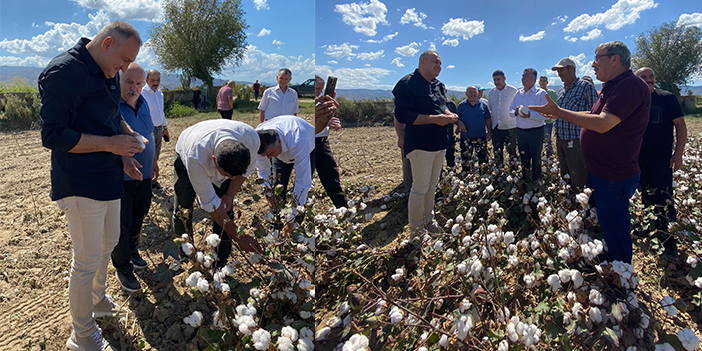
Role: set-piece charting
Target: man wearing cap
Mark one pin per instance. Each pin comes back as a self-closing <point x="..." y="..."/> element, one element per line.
<point x="504" y="124"/>
<point x="611" y="139"/>
<point x="656" y="163"/>
<point x="530" y="125"/>
<point x="481" y="90"/>
<point x="543" y="84"/>
<point x="225" y="100"/>
<point x="575" y="95"/>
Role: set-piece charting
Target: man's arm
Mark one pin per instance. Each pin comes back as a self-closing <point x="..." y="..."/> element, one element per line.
<point x="600" y="123"/>
<point x="261" y="116"/>
<point x="680" y="140"/>
<point x="245" y="242"/>
<point x="230" y="100"/>
<point x="400" y="133"/>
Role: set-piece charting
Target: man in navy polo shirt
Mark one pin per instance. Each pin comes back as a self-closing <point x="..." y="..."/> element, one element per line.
<point x="81" y="124"/>
<point x="611" y="139"/>
<point x="138" y="171"/>
<point x="420" y="104"/>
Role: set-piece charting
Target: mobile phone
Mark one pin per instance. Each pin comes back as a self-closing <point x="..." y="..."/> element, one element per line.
<point x="331" y="86"/>
<point x="166" y="138"/>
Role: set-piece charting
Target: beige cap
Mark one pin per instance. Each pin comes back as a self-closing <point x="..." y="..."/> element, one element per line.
<point x="564" y="62"/>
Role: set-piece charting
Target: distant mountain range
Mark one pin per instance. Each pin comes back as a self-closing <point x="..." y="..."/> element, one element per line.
<point x="8" y="73"/>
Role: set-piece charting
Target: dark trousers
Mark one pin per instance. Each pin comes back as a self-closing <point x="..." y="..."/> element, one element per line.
<point x="282" y="172"/>
<point x="572" y="162"/>
<point x="226" y="114"/>
<point x="530" y="143"/>
<point x="328" y="171"/>
<point x="134" y="206"/>
<point x="470" y="145"/>
<point x="656" y="188"/>
<point x="185" y="198"/>
<point x="255" y="95"/>
<point x="611" y="198"/>
<point x="451" y="150"/>
<point x="501" y="139"/>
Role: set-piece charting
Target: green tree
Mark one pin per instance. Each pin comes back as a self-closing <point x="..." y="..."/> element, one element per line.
<point x="199" y="37"/>
<point x="673" y="52"/>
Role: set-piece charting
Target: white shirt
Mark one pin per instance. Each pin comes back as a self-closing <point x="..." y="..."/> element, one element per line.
<point x="197" y="144"/>
<point x="155" y="101"/>
<point x="534" y="96"/>
<point x="297" y="141"/>
<point x="498" y="104"/>
<point x="276" y="103"/>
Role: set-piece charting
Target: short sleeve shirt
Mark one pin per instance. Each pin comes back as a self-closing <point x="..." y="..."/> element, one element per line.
<point x="275" y="103"/>
<point x="223" y="96"/>
<point x="658" y="139"/>
<point x="473" y="116"/>
<point x="613" y="155"/>
<point x="140" y="121"/>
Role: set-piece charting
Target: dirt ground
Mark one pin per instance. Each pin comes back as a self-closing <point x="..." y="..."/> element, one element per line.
<point x="35" y="247"/>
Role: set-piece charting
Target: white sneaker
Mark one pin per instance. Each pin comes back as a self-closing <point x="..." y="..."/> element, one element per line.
<point x="106" y="308"/>
<point x="94" y="342"/>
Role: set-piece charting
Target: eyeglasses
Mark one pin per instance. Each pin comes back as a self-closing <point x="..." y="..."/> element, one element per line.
<point x="597" y="57"/>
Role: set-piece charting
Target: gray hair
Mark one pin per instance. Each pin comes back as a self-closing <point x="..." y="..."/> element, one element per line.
<point x="231" y="82"/>
<point x="617" y="48"/>
<point x="284" y="70"/>
<point x="122" y="30"/>
<point x="427" y="53"/>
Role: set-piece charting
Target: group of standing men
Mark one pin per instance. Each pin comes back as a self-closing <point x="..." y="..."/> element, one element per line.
<point x="604" y="142"/>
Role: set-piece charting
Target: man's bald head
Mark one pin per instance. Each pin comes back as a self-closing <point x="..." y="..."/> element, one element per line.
<point x="131" y="82"/>
<point x="153" y="79"/>
<point x="646" y="73"/>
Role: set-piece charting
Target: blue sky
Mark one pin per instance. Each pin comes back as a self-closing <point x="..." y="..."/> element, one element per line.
<point x="280" y="34"/>
<point x="372" y="44"/>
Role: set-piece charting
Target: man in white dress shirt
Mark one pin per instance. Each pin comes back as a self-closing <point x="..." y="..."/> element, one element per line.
<point x="154" y="98"/>
<point x="278" y="100"/>
<point x="293" y="140"/>
<point x="530" y="128"/>
<point x="503" y="123"/>
<point x="213" y="158"/>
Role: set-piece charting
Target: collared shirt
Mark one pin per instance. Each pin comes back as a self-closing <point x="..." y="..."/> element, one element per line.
<point x="76" y="99"/>
<point x="614" y="155"/>
<point x="580" y="96"/>
<point x="414" y="95"/>
<point x="197" y="144"/>
<point x="276" y="103"/>
<point x="155" y="101"/>
<point x="473" y="116"/>
<point x="533" y="96"/>
<point x="297" y="141"/>
<point x="139" y="120"/>
<point x="223" y="95"/>
<point x="499" y="102"/>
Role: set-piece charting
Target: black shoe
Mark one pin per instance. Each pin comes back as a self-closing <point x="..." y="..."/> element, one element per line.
<point x="128" y="282"/>
<point x="138" y="262"/>
<point x="155" y="186"/>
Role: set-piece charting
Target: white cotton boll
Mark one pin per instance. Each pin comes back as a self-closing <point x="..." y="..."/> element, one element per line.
<point x="529" y="279"/>
<point x="207" y="261"/>
<point x="357" y="342"/>
<point x="503" y="346"/>
<point x="668" y="305"/>
<point x="227" y="270"/>
<point x="577" y="310"/>
<point x="596" y="298"/>
<point x="246" y="310"/>
<point x="399" y="273"/>
<point x="508" y="238"/>
<point x="216" y="322"/>
<point x="577" y="278"/>
<point x="664" y="347"/>
<point x="362" y="206"/>
<point x="194" y="320"/>
<point x="396" y="315"/>
<point x="200" y="256"/>
<point x="321" y="334"/>
<point x="554" y="282"/>
<point x="261" y="339"/>
<point x="193" y="278"/>
<point x="305" y="314"/>
<point x="225" y="288"/>
<point x="438" y="246"/>
<point x="595" y="314"/>
<point x="203" y="285"/>
<point x="688" y="339"/>
<point x="343" y="309"/>
<point x="456" y="229"/>
<point x="305" y="344"/>
<point x="564" y="275"/>
<point x="464" y="325"/>
<point x="285" y="344"/>
<point x="443" y="341"/>
<point x="213" y="240"/>
<point x="289" y="332"/>
<point x="187" y="248"/>
<point x="246" y="324"/>
<point x="698" y="282"/>
<point x="369" y="216"/>
<point x="475" y="268"/>
<point x="692" y="261"/>
<point x="334" y="322"/>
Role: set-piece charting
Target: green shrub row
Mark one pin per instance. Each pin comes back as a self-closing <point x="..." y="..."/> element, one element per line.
<point x="363" y="113"/>
<point x="20" y="112"/>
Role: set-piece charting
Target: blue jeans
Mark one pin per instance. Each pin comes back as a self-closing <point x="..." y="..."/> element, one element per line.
<point x="612" y="201"/>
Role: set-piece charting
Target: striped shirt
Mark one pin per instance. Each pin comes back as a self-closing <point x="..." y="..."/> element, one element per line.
<point x="580" y="96"/>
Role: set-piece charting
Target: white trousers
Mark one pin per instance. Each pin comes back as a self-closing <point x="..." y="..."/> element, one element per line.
<point x="426" y="168"/>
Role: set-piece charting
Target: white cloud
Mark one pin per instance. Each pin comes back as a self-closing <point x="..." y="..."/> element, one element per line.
<point x="332" y="62"/>
<point x="411" y="15"/>
<point x="367" y="65"/>
<point x="534" y="37"/>
<point x="340" y="51"/>
<point x="593" y="34"/>
<point x="263" y="32"/>
<point x="35" y="25"/>
<point x="432" y="46"/>
<point x="139" y="10"/>
<point x="261" y="5"/>
<point x="620" y="14"/>
<point x="450" y="67"/>
<point x="559" y="19"/>
<point x="264" y="66"/>
<point x="355" y="78"/>
<point x="147" y="56"/>
<point x="452" y="42"/>
<point x="33" y="61"/>
<point x="371" y="56"/>
<point x="408" y="50"/>
<point x="397" y="62"/>
<point x="385" y="38"/>
<point x="57" y="39"/>
<point x="363" y="17"/>
<point x="690" y="19"/>
<point x="461" y="27"/>
<point x="277" y="42"/>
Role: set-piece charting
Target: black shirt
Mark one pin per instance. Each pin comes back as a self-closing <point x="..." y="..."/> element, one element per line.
<point x="414" y="95"/>
<point x="76" y="99"/>
<point x="658" y="139"/>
